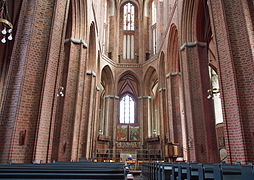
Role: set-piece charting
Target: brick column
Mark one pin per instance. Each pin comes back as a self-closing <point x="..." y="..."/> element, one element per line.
<point x="70" y="100"/>
<point x="85" y="114"/>
<point x="96" y="123"/>
<point x="46" y="122"/>
<point x="147" y="117"/>
<point x="21" y="106"/>
<point x="78" y="106"/>
<point x="141" y="119"/>
<point x="115" y="121"/>
<point x="169" y="127"/>
<point x="91" y="117"/>
<point x="108" y="117"/>
<point x="176" y="109"/>
<point x="199" y="110"/>
<point x="163" y="116"/>
<point x="237" y="76"/>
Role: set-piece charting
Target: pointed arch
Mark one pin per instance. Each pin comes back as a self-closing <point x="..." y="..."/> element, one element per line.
<point x="173" y="64"/>
<point x="92" y="49"/>
<point x="195" y="37"/>
<point x="128" y="92"/>
<point x="150" y="80"/>
<point x="128" y="83"/>
<point x="107" y="80"/>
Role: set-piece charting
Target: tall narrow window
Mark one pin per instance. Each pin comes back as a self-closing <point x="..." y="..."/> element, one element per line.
<point x="154" y="20"/>
<point x="129" y="30"/>
<point x="127" y="110"/>
<point x="154" y="40"/>
<point x="128" y="17"/>
<point x="154" y="15"/>
<point x="105" y="25"/>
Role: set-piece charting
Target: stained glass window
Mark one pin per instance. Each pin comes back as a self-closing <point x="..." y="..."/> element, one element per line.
<point x="128" y="17"/>
<point x="127" y="109"/>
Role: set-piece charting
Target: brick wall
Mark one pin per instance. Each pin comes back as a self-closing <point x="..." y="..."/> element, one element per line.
<point x="236" y="70"/>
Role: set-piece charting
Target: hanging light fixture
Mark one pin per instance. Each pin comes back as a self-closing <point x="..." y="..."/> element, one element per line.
<point x="5" y="24"/>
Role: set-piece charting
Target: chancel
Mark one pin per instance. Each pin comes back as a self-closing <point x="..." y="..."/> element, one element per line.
<point x="87" y="84"/>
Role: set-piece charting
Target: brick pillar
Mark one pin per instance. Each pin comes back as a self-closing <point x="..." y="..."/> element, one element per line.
<point x="176" y="83"/>
<point x="96" y="123"/>
<point x="141" y="119"/>
<point x="78" y="108"/>
<point x="109" y="116"/>
<point x="21" y="106"/>
<point x="237" y="76"/>
<point x="147" y="124"/>
<point x="46" y="123"/>
<point x="170" y="123"/>
<point x="199" y="110"/>
<point x="91" y="117"/>
<point x="115" y="121"/>
<point x="163" y="116"/>
<point x="70" y="100"/>
<point x="84" y="117"/>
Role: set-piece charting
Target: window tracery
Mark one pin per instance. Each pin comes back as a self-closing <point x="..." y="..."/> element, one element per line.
<point x="129" y="31"/>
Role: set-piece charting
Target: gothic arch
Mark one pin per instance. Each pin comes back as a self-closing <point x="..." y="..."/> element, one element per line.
<point x="132" y="1"/>
<point x="106" y="91"/>
<point x="107" y="80"/>
<point x="128" y="82"/>
<point x="92" y="49"/>
<point x="78" y="10"/>
<point x="173" y="64"/>
<point x="150" y="79"/>
<point x="195" y="37"/>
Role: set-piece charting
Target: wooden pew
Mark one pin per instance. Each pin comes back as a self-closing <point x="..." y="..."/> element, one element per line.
<point x="63" y="170"/>
<point x="190" y="171"/>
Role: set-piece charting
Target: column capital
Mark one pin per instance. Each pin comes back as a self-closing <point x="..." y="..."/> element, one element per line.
<point x="173" y="74"/>
<point x="91" y="73"/>
<point x="76" y="41"/>
<point x="144" y="97"/>
<point x="193" y="44"/>
<point x="111" y="96"/>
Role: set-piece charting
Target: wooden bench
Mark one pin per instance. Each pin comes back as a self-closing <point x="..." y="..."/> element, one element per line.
<point x="172" y="171"/>
<point x="63" y="170"/>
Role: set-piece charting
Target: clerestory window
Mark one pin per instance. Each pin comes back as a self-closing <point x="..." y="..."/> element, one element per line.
<point x="154" y="21"/>
<point x="128" y="31"/>
<point x="105" y="27"/>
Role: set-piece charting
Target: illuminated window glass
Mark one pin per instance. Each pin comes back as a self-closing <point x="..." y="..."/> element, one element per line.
<point x="154" y="17"/>
<point x="127" y="108"/>
<point x="154" y="41"/>
<point x="128" y="17"/>
<point x="153" y="13"/>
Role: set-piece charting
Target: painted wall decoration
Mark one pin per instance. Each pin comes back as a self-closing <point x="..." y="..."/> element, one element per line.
<point x="128" y="145"/>
<point x="122" y="132"/>
<point x="134" y="133"/>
